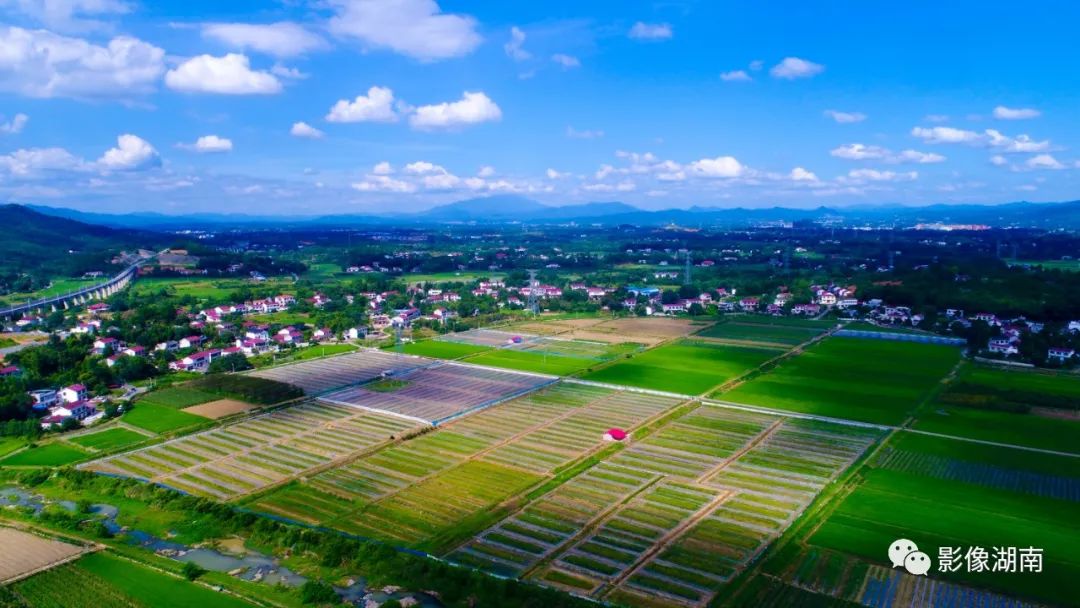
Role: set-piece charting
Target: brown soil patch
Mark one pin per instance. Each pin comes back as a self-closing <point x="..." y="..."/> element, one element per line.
<point x="634" y="327"/>
<point x="25" y="554"/>
<point x="220" y="408"/>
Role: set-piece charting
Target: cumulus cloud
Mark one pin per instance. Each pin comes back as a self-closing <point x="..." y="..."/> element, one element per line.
<point x="845" y="117"/>
<point x="486" y="171"/>
<point x="131" y="153"/>
<point x="209" y="143"/>
<point x="650" y="31"/>
<point x="32" y="161"/>
<point x="945" y="135"/>
<point x="382" y="168"/>
<point x="1043" y="161"/>
<point x="798" y="174"/>
<point x="573" y="133"/>
<point x="383" y="183"/>
<point x="1019" y="144"/>
<point x="302" y="129"/>
<point x="423" y="167"/>
<point x="377" y="106"/>
<point x="15" y="125"/>
<point x="998" y="160"/>
<point x="721" y="166"/>
<point x="39" y="63"/>
<point x="68" y="15"/>
<point x="735" y="76"/>
<point x="472" y="108"/>
<point x="915" y="156"/>
<point x="415" y="28"/>
<point x="553" y="174"/>
<point x="285" y="71"/>
<point x="859" y="151"/>
<point x="514" y="49"/>
<point x="566" y="61"/>
<point x="791" y="68"/>
<point x="281" y="39"/>
<point x="623" y="186"/>
<point x="990" y="138"/>
<point x="1005" y="113"/>
<point x="227" y="75"/>
<point x="875" y="175"/>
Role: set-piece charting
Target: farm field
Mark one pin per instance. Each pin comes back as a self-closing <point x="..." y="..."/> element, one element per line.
<point x="530" y="361"/>
<point x="440" y="349"/>
<point x="25" y="553"/>
<point x="99" y="579"/>
<point x="874" y="381"/>
<point x="176" y="397"/>
<point x="203" y="289"/>
<point x="159" y="418"/>
<point x="648" y="331"/>
<point x="672" y="518"/>
<point x="687" y="366"/>
<point x="948" y="493"/>
<point x="247" y="456"/>
<point x="56" y="287"/>
<point x="55" y="454"/>
<point x="437" y="393"/>
<point x="765" y="330"/>
<point x="1020" y="407"/>
<point x="109" y="439"/>
<point x="220" y="408"/>
<point x="322" y="375"/>
<point x="316" y="351"/>
<point x="403" y="492"/>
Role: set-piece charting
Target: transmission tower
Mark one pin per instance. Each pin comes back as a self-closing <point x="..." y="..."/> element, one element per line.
<point x="398" y="328"/>
<point x="534" y="286"/>
<point x="686" y="275"/>
<point x="892" y="259"/>
<point x="787" y="260"/>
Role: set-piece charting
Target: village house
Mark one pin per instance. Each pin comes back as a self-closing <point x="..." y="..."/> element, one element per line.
<point x="1061" y="355"/>
<point x="73" y="393"/>
<point x="748" y="304"/>
<point x="191" y="341"/>
<point x="102" y="345"/>
<point x="1003" y="346"/>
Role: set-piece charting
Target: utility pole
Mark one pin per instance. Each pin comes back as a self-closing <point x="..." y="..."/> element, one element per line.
<point x="686" y="275"/>
<point x="534" y="285"/>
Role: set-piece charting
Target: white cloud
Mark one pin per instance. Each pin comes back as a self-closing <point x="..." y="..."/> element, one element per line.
<point x="793" y="67"/>
<point x="936" y="118"/>
<point x="553" y="174"/>
<point x="382" y="168"/>
<point x="573" y="133"/>
<point x="874" y="175"/>
<point x="383" y="183"/>
<point x="845" y="117"/>
<point x="623" y="186"/>
<point x="514" y="49"/>
<point x="422" y="167"/>
<point x="1043" y="161"/>
<point x="486" y="171"/>
<point x="285" y="71"/>
<point x="415" y="28"/>
<point x="858" y="151"/>
<point x="442" y="181"/>
<point x="472" y="108"/>
<point x="721" y="166"/>
<point x="39" y="63"/>
<point x="799" y="174"/>
<point x="650" y="31"/>
<point x="915" y="156"/>
<point x="31" y="161"/>
<point x="566" y="61"/>
<point x="131" y="152"/>
<point x="227" y="75"/>
<point x="377" y="106"/>
<point x="302" y="129"/>
<point x="15" y="125"/>
<point x="998" y="160"/>
<point x="281" y="39"/>
<point x="209" y="143"/>
<point x="735" y="76"/>
<point x="756" y="65"/>
<point x="72" y="15"/>
<point x="1004" y="113"/>
<point x="945" y="135"/>
<point x="1019" y="144"/>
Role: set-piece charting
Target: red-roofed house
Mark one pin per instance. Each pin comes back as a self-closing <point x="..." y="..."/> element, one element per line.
<point x="74" y="393"/>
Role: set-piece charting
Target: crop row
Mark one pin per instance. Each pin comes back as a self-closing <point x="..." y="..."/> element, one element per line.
<point x="321" y="375"/>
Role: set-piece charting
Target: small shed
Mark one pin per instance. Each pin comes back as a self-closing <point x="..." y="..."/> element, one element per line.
<point x="615" y="434"/>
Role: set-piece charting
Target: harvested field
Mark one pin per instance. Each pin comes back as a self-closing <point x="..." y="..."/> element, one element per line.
<point x="220" y="408"/>
<point x="441" y="392"/>
<point x="488" y="337"/>
<point x="648" y="331"/>
<point x="247" y="456"/>
<point x="25" y="554"/>
<point x="323" y="375"/>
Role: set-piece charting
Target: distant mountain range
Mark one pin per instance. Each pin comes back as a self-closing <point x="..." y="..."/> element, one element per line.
<point x="511" y="208"/>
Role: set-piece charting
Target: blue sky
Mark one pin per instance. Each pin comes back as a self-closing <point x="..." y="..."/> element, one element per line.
<point x="358" y="106"/>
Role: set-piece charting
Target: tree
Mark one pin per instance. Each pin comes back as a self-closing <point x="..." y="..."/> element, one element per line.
<point x="317" y="592"/>
<point x="192" y="571"/>
<point x="235" y="362"/>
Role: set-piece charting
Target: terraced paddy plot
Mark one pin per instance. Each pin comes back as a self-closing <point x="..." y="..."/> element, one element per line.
<point x="763" y="330"/>
<point x="868" y="380"/>
<point x="488" y="337"/>
<point x="947" y="493"/>
<point x="673" y="517"/>
<point x="323" y="375"/>
<point x="109" y="439"/>
<point x="688" y="367"/>
<point x="247" y="456"/>
<point x="25" y="554"/>
<point x="440" y="392"/>
<point x="529" y="437"/>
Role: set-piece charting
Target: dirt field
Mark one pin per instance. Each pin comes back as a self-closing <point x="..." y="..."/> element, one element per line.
<point x="25" y="554"/>
<point x="220" y="408"/>
<point x="647" y="331"/>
